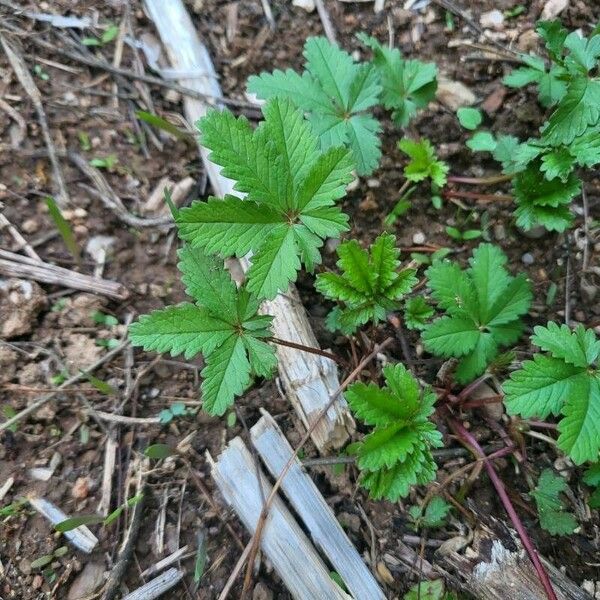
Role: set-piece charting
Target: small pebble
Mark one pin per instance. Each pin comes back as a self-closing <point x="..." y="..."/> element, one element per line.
<point x="527" y="259"/>
<point x="418" y="238"/>
<point x="499" y="232"/>
<point x="373" y="183"/>
<point x="30" y="226"/>
<point x="493" y="19"/>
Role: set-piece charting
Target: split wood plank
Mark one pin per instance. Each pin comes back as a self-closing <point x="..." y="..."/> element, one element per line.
<point x="311" y="507"/>
<point x="283" y="541"/>
<point x="308" y="379"/>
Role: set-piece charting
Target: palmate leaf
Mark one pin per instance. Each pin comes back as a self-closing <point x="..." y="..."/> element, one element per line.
<point x="566" y="383"/>
<point x="483" y="307"/>
<point x="397" y="453"/>
<point x="407" y="84"/>
<point x="336" y="92"/>
<point x="417" y="312"/>
<point x="553" y="517"/>
<point x="370" y="284"/>
<point x="223" y="325"/>
<point x="423" y="162"/>
<point x="291" y="189"/>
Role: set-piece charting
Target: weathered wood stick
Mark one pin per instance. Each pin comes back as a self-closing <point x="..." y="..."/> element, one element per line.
<point x="157" y="586"/>
<point x="81" y="537"/>
<point x="311" y="507"/>
<point x="17" y="265"/>
<point x="283" y="541"/>
<point x="308" y="379"/>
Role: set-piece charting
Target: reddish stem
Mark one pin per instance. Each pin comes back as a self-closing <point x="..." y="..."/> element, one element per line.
<point x="469" y="440"/>
<point x="541" y="425"/>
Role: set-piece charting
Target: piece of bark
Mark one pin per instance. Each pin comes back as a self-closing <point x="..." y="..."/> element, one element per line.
<point x="158" y="586"/>
<point x="308" y="379"/>
<point x="309" y="504"/>
<point x="495" y="567"/>
<point x="283" y="541"/>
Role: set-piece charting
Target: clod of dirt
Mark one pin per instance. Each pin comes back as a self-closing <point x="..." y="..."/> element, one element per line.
<point x="454" y="94"/>
<point x="81" y="488"/>
<point x="30" y="373"/>
<point x="80" y="352"/>
<point x="20" y="301"/>
<point x="87" y="581"/>
<point x="493" y="19"/>
<point x="78" y="311"/>
<point x="261" y="592"/>
<point x="553" y="8"/>
<point x="8" y="364"/>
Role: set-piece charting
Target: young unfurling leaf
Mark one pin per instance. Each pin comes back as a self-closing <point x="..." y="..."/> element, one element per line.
<point x="223" y="325"/>
<point x="553" y="516"/>
<point x="291" y="189"/>
<point x="370" y="284"/>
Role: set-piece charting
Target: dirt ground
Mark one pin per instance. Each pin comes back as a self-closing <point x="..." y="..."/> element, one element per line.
<point x="48" y="333"/>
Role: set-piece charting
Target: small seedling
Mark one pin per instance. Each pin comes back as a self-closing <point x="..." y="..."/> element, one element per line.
<point x="177" y="409"/>
<point x="463" y="236"/>
<point x="108" y="162"/>
<point x="592" y="478"/>
<point x="417" y="312"/>
<point x="43" y="561"/>
<point x="397" y="454"/>
<point x="469" y="118"/>
<point x="40" y="72"/>
<point x="104" y="319"/>
<point x="483" y="307"/>
<point x="407" y="84"/>
<point x="423" y="163"/>
<point x="63" y="228"/>
<point x="553" y="517"/>
<point x="84" y="141"/>
<point x="434" y="516"/>
<point x="563" y="380"/>
<point x="370" y="285"/>
<point x="109" y="34"/>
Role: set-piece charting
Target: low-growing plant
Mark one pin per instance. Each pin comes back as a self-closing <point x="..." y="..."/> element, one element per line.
<point x="483" y="306"/>
<point x="397" y="454"/>
<point x="433" y="516"/>
<point x="545" y="167"/>
<point x="562" y="380"/>
<point x="370" y="285"/>
<point x="337" y="93"/>
<point x="291" y="186"/>
<point x="553" y="516"/>
<point x="223" y="324"/>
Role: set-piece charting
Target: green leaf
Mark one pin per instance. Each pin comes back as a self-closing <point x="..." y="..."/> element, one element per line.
<point x="75" y="522"/>
<point x="541" y="386"/>
<point x="469" y="118"/>
<point x="226" y="375"/>
<point x="580" y="426"/>
<point x="63" y="228"/>
<point x="577" y="110"/>
<point x="336" y="92"/>
<point x="423" y="162"/>
<point x="291" y="189"/>
<point x="407" y="84"/>
<point x="483" y="307"/>
<point x="184" y="328"/>
<point x="557" y="163"/>
<point x="42" y="561"/>
<point x="426" y="590"/>
<point x="553" y="517"/>
<point x="397" y="453"/>
<point x="580" y="348"/>
<point x="159" y="451"/>
<point x="417" y="312"/>
<point x="554" y="35"/>
<point x="482" y="141"/>
<point x="208" y="282"/>
<point x="162" y="124"/>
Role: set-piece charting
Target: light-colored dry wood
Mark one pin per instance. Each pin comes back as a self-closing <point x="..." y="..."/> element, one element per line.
<point x="110" y="458"/>
<point x="17" y="265"/>
<point x="495" y="567"/>
<point x="308" y="379"/>
<point x="81" y="537"/>
<point x="283" y="541"/>
<point x="165" y="562"/>
<point x="157" y="586"/>
<point x="309" y="504"/>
